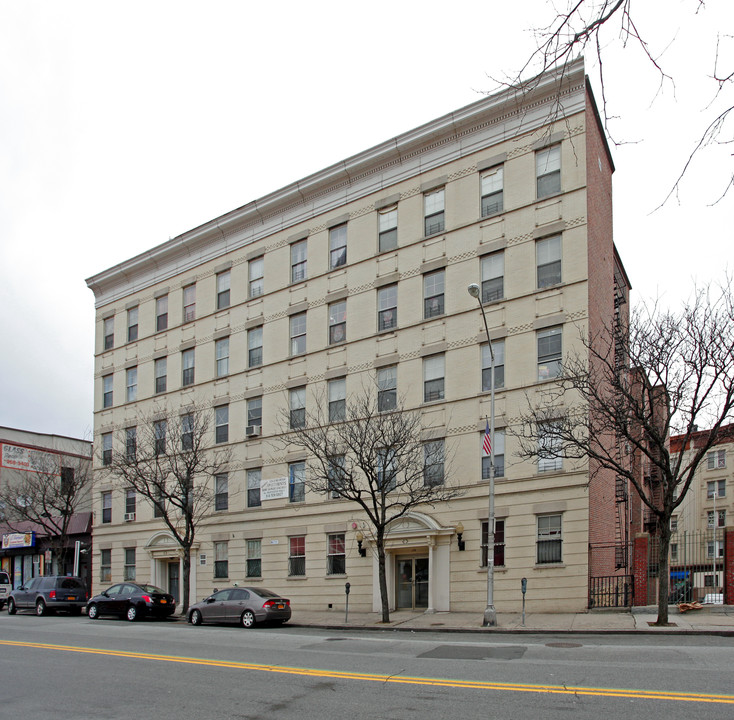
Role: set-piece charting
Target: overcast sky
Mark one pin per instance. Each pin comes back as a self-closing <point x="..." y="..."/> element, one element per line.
<point x="125" y="124"/>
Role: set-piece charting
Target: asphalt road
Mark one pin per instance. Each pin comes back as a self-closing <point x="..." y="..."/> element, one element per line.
<point x="69" y="667"/>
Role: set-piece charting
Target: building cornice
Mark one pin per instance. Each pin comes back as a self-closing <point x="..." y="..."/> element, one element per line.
<point x="503" y="115"/>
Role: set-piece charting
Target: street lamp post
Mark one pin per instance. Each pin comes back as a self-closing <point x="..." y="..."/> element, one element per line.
<point x="490" y="614"/>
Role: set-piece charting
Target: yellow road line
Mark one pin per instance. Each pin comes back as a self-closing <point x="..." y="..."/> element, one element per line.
<point x="400" y="679"/>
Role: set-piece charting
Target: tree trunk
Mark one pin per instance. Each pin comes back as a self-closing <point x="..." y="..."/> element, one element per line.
<point x="663" y="573"/>
<point x="382" y="576"/>
<point x="186" y="579"/>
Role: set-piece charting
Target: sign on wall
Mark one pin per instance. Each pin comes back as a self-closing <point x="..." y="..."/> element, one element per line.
<point x="22" y="458"/>
<point x="18" y="540"/>
<point x="274" y="488"/>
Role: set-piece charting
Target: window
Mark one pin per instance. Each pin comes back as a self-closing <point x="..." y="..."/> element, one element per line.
<point x="130" y="501"/>
<point x="721" y="518"/>
<point x="254" y="558"/>
<point x="499" y="365"/>
<point x="387" y="307"/>
<point x="493" y="277"/>
<point x="105" y="566"/>
<point x="255" y="411"/>
<point x="106" y="448"/>
<point x="298" y="261"/>
<point x="132" y="324"/>
<point x="387" y="479"/>
<point x="129" y="568"/>
<point x="549" y="447"/>
<point x="189" y="303"/>
<point x="673" y="523"/>
<point x="549" y="539"/>
<point x="254" y="477"/>
<point x="298" y="334"/>
<point x="335" y="475"/>
<point x="223" y="286"/>
<point x="433" y="287"/>
<point x="161" y="374"/>
<point x="221" y="559"/>
<point x="187" y="431"/>
<point x="221" y="351"/>
<point x="160" y="502"/>
<point x="387" y="227"/>
<point x="159" y="435"/>
<point x="549" y="353"/>
<point x="336" y="556"/>
<point x="433" y="459"/>
<point x="499" y="543"/>
<point x="674" y="551"/>
<point x="221" y="491"/>
<point x="433" y="203"/>
<point x="433" y="378"/>
<point x="66" y="484"/>
<point x="187" y="365"/>
<point x="107" y="391"/>
<point x="107" y="507"/>
<point x="719" y="548"/>
<point x="297" y="403"/>
<point x="337" y="400"/>
<point x="109" y="333"/>
<point x="548" y="257"/>
<point x="499" y="456"/>
<point x="131" y="443"/>
<point x="338" y="246"/>
<point x="297" y="482"/>
<point x="337" y="322"/>
<point x="256" y="274"/>
<point x="548" y="171"/>
<point x="716" y="486"/>
<point x="255" y="347"/>
<point x="221" y="424"/>
<point x="387" y="388"/>
<point x="297" y="556"/>
<point x="131" y="384"/>
<point x="161" y="313"/>
<point x="716" y="459"/>
<point x="492" y="191"/>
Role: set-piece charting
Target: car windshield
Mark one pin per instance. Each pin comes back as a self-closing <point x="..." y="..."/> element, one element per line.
<point x="68" y="583"/>
<point x="262" y="592"/>
<point x="152" y="589"/>
<point x="4" y="578"/>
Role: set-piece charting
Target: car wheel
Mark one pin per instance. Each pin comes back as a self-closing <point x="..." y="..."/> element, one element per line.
<point x="132" y="613"/>
<point x="11" y="607"/>
<point x="92" y="612"/>
<point x="195" y="618"/>
<point x="40" y="608"/>
<point x="247" y="620"/>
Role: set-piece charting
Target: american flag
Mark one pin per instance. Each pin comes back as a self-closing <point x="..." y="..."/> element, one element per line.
<point x="487" y="443"/>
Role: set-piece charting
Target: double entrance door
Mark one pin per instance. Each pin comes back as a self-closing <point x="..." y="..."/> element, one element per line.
<point x="412" y="582"/>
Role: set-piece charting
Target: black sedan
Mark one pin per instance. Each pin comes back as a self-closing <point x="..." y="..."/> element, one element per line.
<point x="241" y="605"/>
<point x="133" y="601"/>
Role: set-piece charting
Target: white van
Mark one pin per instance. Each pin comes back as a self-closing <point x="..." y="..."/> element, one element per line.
<point x="4" y="588"/>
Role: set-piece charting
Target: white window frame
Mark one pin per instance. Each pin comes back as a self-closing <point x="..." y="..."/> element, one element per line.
<point x="132" y="324"/>
<point x="387" y="388"/>
<point x="387" y="308"/>
<point x="548" y="171"/>
<point x="221" y="491"/>
<point x="337" y="246"/>
<point x="256" y="277"/>
<point x="434" y="212"/>
<point x="549" y="447"/>
<point x="337" y="322"/>
<point x="549" y="261"/>
<point x="161" y="313"/>
<point x="221" y="352"/>
<point x="160" y="366"/>
<point x="255" y="343"/>
<point x="297" y="325"/>
<point x="550" y="352"/>
<point x="131" y="384"/>
<point x="498" y="346"/>
<point x="387" y="228"/>
<point x="189" y="303"/>
<point x="492" y="270"/>
<point x="188" y="367"/>
<point x="299" y="261"/>
<point x="221" y="424"/>
<point x="492" y="191"/>
<point x="254" y="482"/>
<point x="550" y="536"/>
<point x="434" y="286"/>
<point x="434" y="378"/>
<point x="337" y="389"/>
<point x="224" y="285"/>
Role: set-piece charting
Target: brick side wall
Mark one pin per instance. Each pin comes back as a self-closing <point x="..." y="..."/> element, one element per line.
<point x="639" y="567"/>
<point x="602" y="505"/>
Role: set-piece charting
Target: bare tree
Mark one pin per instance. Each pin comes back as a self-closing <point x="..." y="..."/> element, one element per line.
<point x="597" y="26"/>
<point x="618" y="403"/>
<point x="170" y="460"/>
<point x="368" y="450"/>
<point x="46" y="497"/>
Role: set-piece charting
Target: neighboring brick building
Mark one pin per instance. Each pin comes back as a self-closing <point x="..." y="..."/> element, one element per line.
<point x="358" y="274"/>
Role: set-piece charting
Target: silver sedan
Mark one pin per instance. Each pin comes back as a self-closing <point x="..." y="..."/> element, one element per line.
<point x="245" y="606"/>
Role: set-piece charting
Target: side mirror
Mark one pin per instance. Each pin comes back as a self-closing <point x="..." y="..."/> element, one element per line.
<point x="105" y="594"/>
<point x="210" y="599"/>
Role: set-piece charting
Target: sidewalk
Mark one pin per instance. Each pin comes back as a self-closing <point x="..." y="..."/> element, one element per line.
<point x="712" y="620"/>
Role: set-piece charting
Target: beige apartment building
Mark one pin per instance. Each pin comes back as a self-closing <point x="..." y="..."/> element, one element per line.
<point x="358" y="275"/>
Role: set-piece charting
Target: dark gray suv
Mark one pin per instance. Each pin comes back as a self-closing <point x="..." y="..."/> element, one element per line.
<point x="54" y="592"/>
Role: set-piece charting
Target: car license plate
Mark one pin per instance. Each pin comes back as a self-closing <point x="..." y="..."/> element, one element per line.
<point x="163" y="601"/>
<point x="70" y="597"/>
<point x="280" y="607"/>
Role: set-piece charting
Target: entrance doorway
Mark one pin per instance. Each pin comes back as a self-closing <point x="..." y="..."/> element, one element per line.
<point x="173" y="575"/>
<point x="412" y="583"/>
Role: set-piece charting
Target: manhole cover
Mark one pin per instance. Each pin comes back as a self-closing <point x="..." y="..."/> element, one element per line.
<point x="563" y="645"/>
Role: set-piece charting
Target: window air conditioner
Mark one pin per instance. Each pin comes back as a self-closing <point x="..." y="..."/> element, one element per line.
<point x="252" y="430"/>
<point x="129" y="517"/>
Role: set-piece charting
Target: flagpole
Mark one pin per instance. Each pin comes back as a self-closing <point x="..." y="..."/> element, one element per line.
<point x="490" y="614"/>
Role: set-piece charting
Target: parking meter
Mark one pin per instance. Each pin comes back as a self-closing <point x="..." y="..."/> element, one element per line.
<point x="524" y="588"/>
<point x="346" y="607"/>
